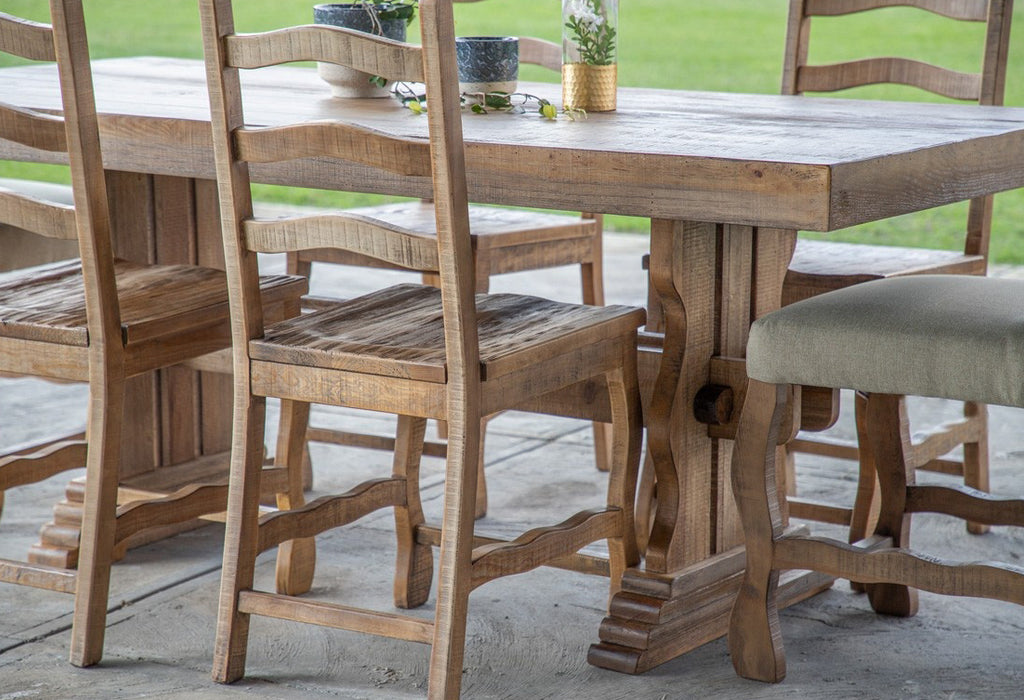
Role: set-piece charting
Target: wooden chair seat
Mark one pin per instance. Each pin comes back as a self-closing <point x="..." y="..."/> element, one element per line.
<point x="822" y="266"/>
<point x="48" y="305"/>
<point x="399" y="332"/>
<point x="492" y="228"/>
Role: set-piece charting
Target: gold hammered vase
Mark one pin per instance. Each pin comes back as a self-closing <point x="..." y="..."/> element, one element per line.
<point x="588" y="87"/>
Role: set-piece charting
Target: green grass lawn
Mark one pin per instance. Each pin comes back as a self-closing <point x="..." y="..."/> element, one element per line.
<point x="728" y="45"/>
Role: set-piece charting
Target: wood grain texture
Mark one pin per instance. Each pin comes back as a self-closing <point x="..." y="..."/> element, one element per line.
<point x="154" y="301"/>
<point x="37" y="576"/>
<point x="972" y="10"/>
<point x="186" y="504"/>
<point x="351" y="232"/>
<point x="32" y="129"/>
<point x="890" y="70"/>
<point x="25" y="38"/>
<point x="328" y="512"/>
<point x="773" y="155"/>
<point x="360" y="145"/>
<point x="755" y="637"/>
<point x="401" y="329"/>
<point x="39" y="217"/>
<point x="536" y="547"/>
<point x="898" y="566"/>
<point x="411" y="629"/>
<point x="375" y="55"/>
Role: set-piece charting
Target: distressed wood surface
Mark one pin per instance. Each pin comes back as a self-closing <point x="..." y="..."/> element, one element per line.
<point x="785" y="162"/>
<point x="396" y="332"/>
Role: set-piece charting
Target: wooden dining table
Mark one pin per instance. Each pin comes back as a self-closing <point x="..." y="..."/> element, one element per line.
<point x="727" y="180"/>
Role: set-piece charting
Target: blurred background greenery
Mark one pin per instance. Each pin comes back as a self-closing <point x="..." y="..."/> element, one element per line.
<point x="725" y="45"/>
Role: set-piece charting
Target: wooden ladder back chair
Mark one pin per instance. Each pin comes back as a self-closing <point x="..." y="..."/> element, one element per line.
<point x="948" y="336"/>
<point x="412" y="350"/>
<point x="99" y="320"/>
<point x="821" y="266"/>
<point x="504" y="241"/>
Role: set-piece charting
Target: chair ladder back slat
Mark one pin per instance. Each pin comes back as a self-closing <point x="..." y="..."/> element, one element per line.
<point x="26" y="39"/>
<point x="455" y="253"/>
<point x="889" y="70"/>
<point x="88" y="181"/>
<point x="233" y="180"/>
<point x="33" y="129"/>
<point x="46" y="219"/>
<point x="405" y="157"/>
<point x="540" y="52"/>
<point x="968" y="10"/>
<point x="375" y="55"/>
<point x="351" y="232"/>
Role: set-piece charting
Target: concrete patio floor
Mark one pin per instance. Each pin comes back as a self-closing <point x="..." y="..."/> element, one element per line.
<point x="528" y="635"/>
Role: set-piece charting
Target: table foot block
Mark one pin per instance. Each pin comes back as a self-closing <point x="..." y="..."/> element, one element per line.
<point x="645" y="629"/>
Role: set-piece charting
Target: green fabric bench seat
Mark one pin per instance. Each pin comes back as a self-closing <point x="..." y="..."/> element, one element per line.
<point x="949" y="336"/>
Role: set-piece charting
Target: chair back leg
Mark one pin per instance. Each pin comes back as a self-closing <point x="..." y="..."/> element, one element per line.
<point x="99" y="522"/>
<point x="889" y="429"/>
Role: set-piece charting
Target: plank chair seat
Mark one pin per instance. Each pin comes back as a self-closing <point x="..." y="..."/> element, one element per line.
<point x="47" y="305"/>
<point x="947" y="336"/>
<point x="818" y="267"/>
<point x="822" y="266"/>
<point x="416" y="351"/>
<point x="398" y="332"/>
<point x="504" y="241"/>
<point x="99" y="320"/>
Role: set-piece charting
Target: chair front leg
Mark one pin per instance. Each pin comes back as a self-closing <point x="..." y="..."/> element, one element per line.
<point x="627" y="426"/>
<point x="414" y="567"/>
<point x="755" y="639"/>
<point x="975" y="457"/>
<point x="889" y="435"/>
<point x="296" y="559"/>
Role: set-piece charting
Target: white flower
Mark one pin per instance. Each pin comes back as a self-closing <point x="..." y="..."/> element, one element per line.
<point x="584" y="12"/>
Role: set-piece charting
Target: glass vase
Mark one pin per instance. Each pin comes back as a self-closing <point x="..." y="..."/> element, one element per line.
<point x="589" y="46"/>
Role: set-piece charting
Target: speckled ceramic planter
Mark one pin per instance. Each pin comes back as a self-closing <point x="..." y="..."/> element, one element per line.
<point x="344" y="81"/>
<point x="487" y="63"/>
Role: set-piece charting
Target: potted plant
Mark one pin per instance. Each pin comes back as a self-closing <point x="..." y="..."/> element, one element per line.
<point x="589" y="69"/>
<point x="387" y="18"/>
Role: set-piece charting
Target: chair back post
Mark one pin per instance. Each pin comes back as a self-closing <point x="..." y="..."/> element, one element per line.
<point x="455" y="252"/>
<point x="88" y="182"/>
<point x="234" y="186"/>
<point x="997" y="47"/>
<point x="798" y="36"/>
<point x="993" y="87"/>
